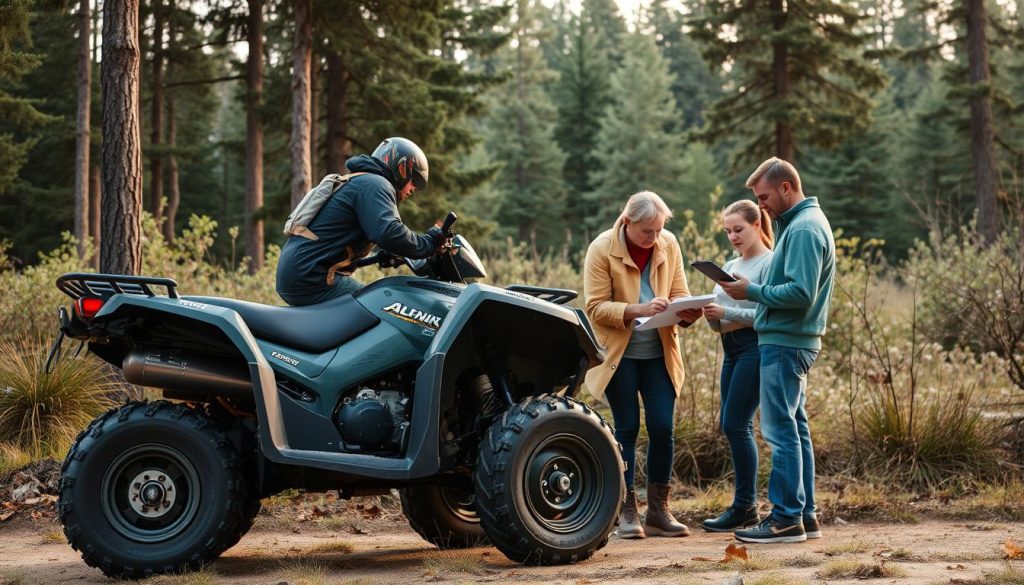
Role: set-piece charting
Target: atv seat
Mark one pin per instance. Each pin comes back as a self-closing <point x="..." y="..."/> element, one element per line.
<point x="313" y="328"/>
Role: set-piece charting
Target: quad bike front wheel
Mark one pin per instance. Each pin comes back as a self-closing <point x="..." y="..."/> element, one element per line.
<point x="151" y="488"/>
<point x="444" y="516"/>
<point x="549" y="481"/>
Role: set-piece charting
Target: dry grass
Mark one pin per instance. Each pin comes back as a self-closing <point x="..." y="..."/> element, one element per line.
<point x="445" y="562"/>
<point x="854" y="547"/>
<point x="304" y="572"/>
<point x="42" y="413"/>
<point x="12" y="457"/>
<point x="901" y="554"/>
<point x="53" y="537"/>
<point x="803" y="561"/>
<point x="1010" y="575"/>
<point x="851" y="569"/>
<point x="12" y="578"/>
<point x="964" y="557"/>
<point x="204" y="576"/>
<point x="775" y="579"/>
<point x="332" y="547"/>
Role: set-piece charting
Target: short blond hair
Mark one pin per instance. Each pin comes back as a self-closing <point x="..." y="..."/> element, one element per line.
<point x="645" y="205"/>
<point x="776" y="170"/>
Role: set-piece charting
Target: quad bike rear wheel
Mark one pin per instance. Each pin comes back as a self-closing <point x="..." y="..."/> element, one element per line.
<point x="549" y="481"/>
<point x="444" y="516"/>
<point x="151" y="488"/>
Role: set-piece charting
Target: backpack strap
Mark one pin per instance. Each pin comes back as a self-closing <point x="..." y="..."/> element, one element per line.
<point x="351" y="255"/>
<point x="303" y="230"/>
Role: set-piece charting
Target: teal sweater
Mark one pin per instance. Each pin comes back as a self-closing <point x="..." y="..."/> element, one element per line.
<point x="794" y="299"/>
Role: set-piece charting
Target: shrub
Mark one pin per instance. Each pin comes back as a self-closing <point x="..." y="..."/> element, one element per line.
<point x="41" y="413"/>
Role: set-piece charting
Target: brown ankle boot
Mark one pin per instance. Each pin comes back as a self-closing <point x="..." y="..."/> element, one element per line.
<point x="629" y="522"/>
<point x="659" y="520"/>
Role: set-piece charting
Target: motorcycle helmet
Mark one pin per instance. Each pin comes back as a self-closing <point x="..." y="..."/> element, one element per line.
<point x="405" y="160"/>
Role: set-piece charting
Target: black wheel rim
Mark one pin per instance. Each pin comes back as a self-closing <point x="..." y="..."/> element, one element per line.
<point x="150" y="493"/>
<point x="564" y="483"/>
<point x="460" y="504"/>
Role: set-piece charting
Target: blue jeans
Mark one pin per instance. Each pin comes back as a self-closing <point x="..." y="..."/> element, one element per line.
<point x="650" y="378"/>
<point x="740" y="396"/>
<point x="343" y="284"/>
<point x="784" y="426"/>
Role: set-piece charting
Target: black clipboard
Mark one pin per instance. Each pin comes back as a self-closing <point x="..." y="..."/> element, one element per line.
<point x="712" y="271"/>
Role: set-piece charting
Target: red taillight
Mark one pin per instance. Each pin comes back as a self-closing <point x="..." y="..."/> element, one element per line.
<point x="87" y="307"/>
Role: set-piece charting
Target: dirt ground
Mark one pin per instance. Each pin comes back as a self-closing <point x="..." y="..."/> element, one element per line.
<point x="283" y="549"/>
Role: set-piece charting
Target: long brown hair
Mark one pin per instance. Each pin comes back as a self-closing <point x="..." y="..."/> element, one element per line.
<point x="751" y="213"/>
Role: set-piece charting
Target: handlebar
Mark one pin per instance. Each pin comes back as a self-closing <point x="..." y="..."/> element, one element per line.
<point x="389" y="260"/>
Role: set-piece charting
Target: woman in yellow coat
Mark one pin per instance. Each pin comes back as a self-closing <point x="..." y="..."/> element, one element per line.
<point x="632" y="270"/>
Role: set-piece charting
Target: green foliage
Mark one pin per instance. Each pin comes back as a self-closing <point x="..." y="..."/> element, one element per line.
<point x="826" y="78"/>
<point x="973" y="294"/>
<point x="520" y="137"/>
<point x="18" y="114"/>
<point x="42" y="413"/>
<point x="636" y="148"/>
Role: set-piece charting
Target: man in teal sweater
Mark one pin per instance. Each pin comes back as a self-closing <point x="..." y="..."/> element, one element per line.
<point x="791" y="316"/>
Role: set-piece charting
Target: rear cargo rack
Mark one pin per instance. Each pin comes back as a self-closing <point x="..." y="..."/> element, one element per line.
<point x="83" y="284"/>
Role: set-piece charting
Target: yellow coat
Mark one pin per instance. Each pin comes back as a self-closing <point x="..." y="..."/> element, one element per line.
<point x="611" y="281"/>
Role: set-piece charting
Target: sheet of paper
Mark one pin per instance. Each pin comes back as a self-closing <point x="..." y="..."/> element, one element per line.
<point x="668" y="317"/>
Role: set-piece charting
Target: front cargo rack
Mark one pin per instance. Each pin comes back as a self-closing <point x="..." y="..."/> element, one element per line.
<point x="84" y="284"/>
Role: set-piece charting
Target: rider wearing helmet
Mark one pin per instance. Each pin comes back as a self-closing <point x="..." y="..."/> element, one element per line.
<point x="363" y="212"/>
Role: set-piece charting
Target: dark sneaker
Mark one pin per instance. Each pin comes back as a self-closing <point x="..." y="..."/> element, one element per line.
<point x="811" y="526"/>
<point x="732" y="519"/>
<point x="771" y="531"/>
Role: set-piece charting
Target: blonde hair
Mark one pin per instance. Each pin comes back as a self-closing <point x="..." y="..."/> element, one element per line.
<point x="644" y="206"/>
<point x="751" y="213"/>
<point x="775" y="171"/>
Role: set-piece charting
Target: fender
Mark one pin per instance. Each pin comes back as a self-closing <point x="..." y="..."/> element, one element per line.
<point x="421" y="460"/>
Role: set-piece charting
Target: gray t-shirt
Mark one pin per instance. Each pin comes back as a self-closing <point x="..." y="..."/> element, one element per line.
<point x="645" y="345"/>
<point x="740" y="314"/>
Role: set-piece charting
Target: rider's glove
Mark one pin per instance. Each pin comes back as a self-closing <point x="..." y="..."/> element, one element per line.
<point x="436" y="236"/>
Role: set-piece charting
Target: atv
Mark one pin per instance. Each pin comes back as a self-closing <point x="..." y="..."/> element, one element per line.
<point x="458" y="395"/>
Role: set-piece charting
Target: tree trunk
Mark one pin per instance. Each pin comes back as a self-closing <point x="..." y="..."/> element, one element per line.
<point x="986" y="179"/>
<point x="95" y="197"/>
<point x="301" y="56"/>
<point x="254" y="138"/>
<point x="339" y="147"/>
<point x="121" y="251"/>
<point x="314" y="113"/>
<point x="82" y="126"/>
<point x="784" y="147"/>
<point x="173" y="186"/>
<point x="156" y="132"/>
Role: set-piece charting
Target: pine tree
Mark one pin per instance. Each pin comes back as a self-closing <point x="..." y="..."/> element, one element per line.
<point x="582" y="94"/>
<point x="799" y="74"/>
<point x="695" y="85"/>
<point x="520" y="137"/>
<point x="17" y="115"/>
<point x="636" y="147"/>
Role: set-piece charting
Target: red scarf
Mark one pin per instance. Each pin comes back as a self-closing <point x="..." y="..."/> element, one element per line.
<point x="640" y="256"/>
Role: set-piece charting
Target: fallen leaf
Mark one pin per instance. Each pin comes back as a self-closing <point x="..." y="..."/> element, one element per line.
<point x="6" y="515"/>
<point x="956" y="567"/>
<point x="736" y="552"/>
<point x="732" y="553"/>
<point x="1012" y="550"/>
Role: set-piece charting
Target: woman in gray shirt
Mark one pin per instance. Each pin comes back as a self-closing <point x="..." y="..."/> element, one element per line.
<point x="750" y="233"/>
